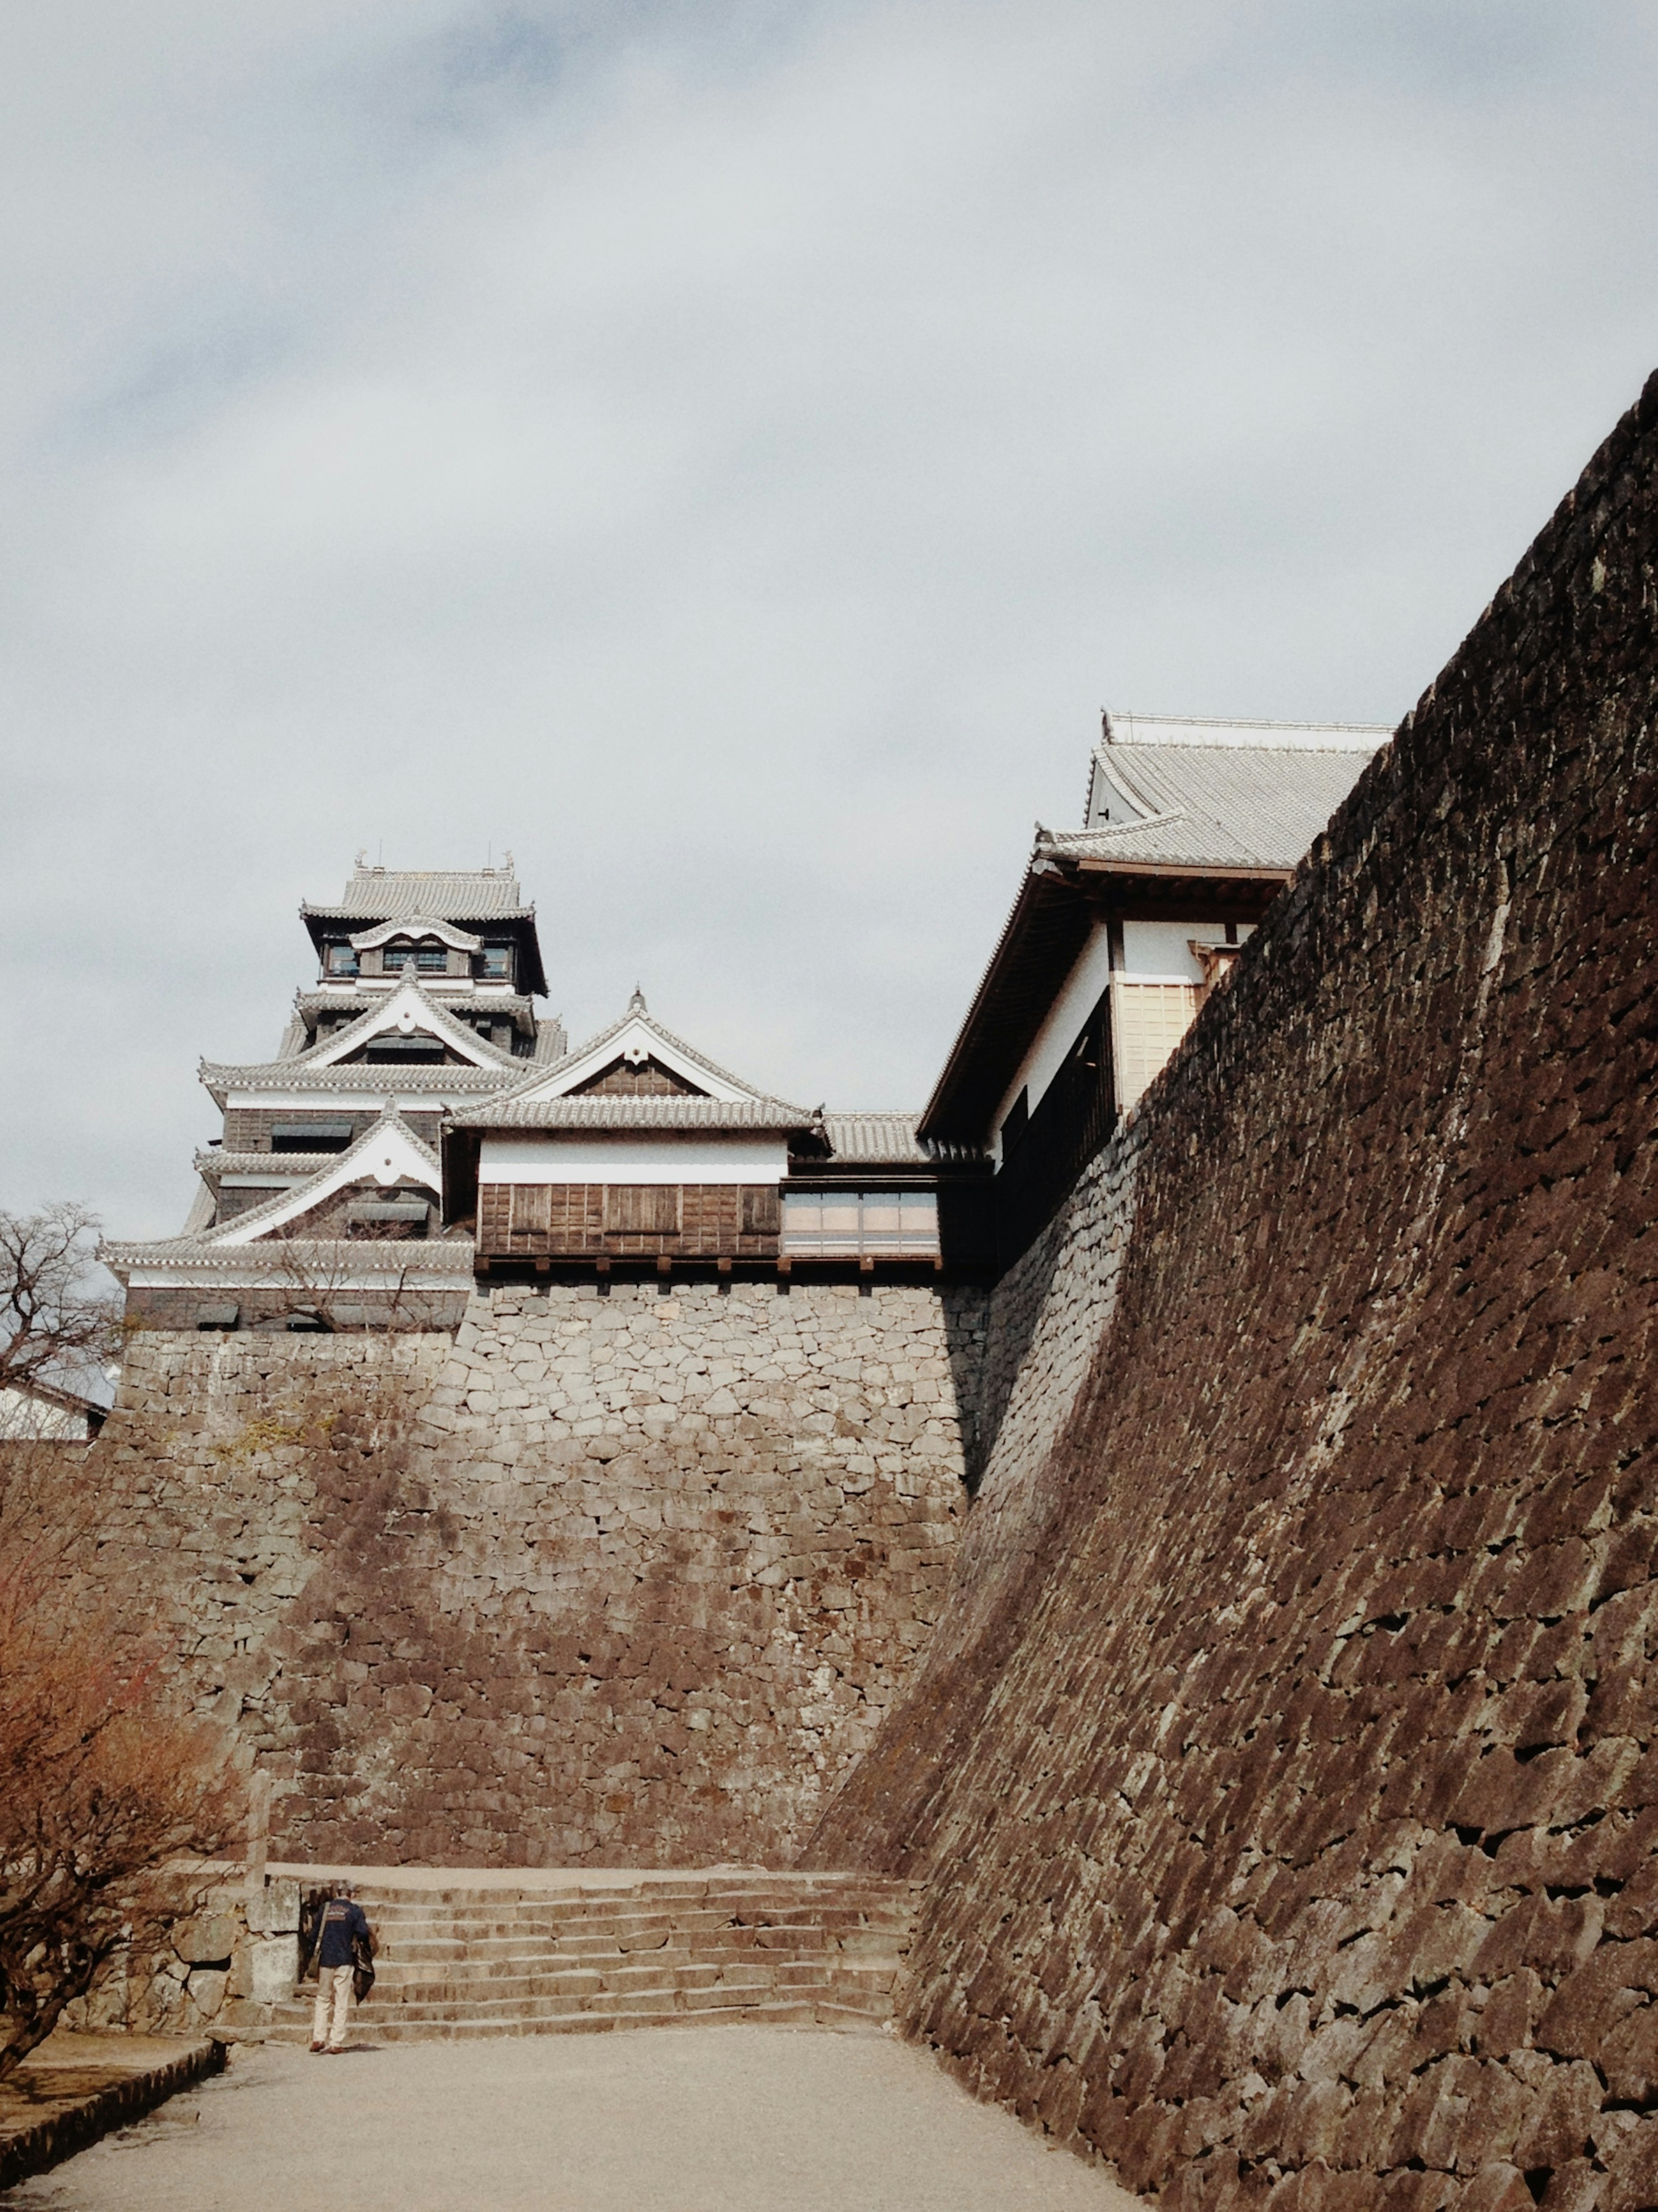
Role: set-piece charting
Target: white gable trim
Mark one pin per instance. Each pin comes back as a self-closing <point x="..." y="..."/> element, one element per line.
<point x="636" y="1038"/>
<point x="407" y="1010"/>
<point x="387" y="1152"/>
<point x="418" y="925"/>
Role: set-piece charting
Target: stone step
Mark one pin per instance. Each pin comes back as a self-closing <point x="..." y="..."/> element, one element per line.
<point x="398" y="1975"/>
<point x="472" y="1959"/>
<point x="401" y="1988"/>
<point x="656" y="1896"/>
<point x="834" y="1910"/>
<point x="818" y="2015"/>
<point x="792" y="1911"/>
<point x="552" y="2016"/>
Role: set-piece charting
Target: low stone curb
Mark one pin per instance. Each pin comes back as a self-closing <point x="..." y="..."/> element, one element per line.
<point x="56" y="2135"/>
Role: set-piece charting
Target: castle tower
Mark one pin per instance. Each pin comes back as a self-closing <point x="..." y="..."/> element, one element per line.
<point x="421" y="1129"/>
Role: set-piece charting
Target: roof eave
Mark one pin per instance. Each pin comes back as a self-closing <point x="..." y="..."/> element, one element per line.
<point x="956" y="1112"/>
<point x="1195" y="870"/>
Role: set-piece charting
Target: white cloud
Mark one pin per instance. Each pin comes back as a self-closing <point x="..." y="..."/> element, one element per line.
<point x="729" y="454"/>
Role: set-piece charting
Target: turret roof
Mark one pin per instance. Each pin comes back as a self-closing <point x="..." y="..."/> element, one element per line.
<point x="636" y="1033"/>
<point x="441" y="894"/>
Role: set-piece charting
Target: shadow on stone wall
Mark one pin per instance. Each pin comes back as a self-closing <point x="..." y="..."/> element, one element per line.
<point x="1284" y="1773"/>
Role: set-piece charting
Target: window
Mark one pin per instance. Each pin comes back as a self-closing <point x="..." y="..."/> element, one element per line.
<point x="342" y="961"/>
<point x="834" y="1225"/>
<point x="1151" y="1019"/>
<point x="396" y="957"/>
<point x="432" y="960"/>
<point x="497" y="963"/>
<point x="531" y="1210"/>
<point x="418" y="1049"/>
<point x="311" y="1136"/>
<point x="648" y="1208"/>
<point x="761" y="1208"/>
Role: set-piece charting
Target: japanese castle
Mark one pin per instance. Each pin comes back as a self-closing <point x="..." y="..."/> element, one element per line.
<point x="422" y="1127"/>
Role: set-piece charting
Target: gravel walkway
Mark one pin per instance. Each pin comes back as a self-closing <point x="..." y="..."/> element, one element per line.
<point x="724" y="2119"/>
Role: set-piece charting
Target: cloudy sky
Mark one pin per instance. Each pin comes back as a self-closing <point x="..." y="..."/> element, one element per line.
<point x="727" y="452"/>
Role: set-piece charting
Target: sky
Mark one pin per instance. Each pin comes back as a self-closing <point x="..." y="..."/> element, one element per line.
<point x="727" y="455"/>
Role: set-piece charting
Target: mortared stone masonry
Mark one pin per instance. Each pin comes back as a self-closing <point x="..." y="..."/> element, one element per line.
<point x="1283" y="1776"/>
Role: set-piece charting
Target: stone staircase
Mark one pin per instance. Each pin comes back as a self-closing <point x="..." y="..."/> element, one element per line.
<point x="650" y="1951"/>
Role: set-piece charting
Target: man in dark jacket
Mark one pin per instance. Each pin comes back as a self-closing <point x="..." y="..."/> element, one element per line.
<point x="342" y="1927"/>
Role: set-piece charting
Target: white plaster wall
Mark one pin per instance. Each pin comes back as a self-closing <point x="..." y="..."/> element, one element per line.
<point x="23" y="1417"/>
<point x="1161" y="952"/>
<point x="1079" y="995"/>
<point x="663" y="1158"/>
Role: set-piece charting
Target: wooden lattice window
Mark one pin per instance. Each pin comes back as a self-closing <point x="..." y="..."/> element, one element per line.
<point x="649" y="1209"/>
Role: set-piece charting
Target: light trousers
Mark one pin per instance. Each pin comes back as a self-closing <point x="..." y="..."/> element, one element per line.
<point x="333" y="1993"/>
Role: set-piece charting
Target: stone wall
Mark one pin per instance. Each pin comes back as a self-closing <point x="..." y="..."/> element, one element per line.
<point x="626" y="1580"/>
<point x="289" y="1299"/>
<point x="1283" y="1776"/>
<point x="231" y="1960"/>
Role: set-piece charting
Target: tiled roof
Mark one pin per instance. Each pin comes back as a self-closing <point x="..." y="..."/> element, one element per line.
<point x="214" y="1161"/>
<point x="376" y="1081"/>
<point x="1174" y="797"/>
<point x="455" y="994"/>
<point x="873" y="1137"/>
<point x="1188" y="804"/>
<point x="543" y="1072"/>
<point x="332" y="1170"/>
<point x="392" y="894"/>
<point x="438" y="1017"/>
<point x="1124" y="728"/>
<point x="315" y="1263"/>
<point x="606" y="1110"/>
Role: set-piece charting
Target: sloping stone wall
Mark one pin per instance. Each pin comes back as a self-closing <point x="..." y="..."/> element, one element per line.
<point x="625" y="1580"/>
<point x="1283" y="1776"/>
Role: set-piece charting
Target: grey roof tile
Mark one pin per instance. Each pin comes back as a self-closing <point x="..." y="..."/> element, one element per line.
<point x="1223" y="805"/>
<point x="876" y="1137"/>
<point x="600" y="1110"/>
<point x="439" y="895"/>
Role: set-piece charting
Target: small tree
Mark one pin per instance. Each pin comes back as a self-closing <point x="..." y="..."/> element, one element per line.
<point x="106" y="1795"/>
<point x="57" y="1320"/>
<point x="106" y="1790"/>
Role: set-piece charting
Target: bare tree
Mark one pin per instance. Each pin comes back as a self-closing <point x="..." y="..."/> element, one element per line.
<point x="57" y="1320"/>
<point x="108" y="1790"/>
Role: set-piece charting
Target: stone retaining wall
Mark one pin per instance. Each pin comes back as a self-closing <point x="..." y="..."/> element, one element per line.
<point x="622" y="1580"/>
<point x="1283" y="1777"/>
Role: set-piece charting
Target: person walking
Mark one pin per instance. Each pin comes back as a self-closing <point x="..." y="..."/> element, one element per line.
<point x="345" y="1943"/>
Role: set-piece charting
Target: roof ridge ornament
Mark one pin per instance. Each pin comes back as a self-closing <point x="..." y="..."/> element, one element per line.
<point x="636" y="1004"/>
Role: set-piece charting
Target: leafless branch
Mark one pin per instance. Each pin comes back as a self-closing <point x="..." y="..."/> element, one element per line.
<point x="57" y="1320"/>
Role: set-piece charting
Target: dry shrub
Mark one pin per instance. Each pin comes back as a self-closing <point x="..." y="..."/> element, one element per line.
<point x="108" y="1790"/>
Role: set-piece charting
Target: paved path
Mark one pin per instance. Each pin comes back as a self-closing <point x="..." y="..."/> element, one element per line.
<point x="721" y="2119"/>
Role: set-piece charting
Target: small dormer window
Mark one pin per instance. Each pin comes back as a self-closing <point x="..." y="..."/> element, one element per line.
<point x="397" y="956"/>
<point x="342" y="960"/>
<point x="497" y="963"/>
<point x="431" y="960"/>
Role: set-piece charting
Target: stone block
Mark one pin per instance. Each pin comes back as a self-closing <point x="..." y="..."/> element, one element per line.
<point x="274" y="1969"/>
<point x="208" y="1940"/>
<point x="206" y="1991"/>
<point x="275" y="1910"/>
